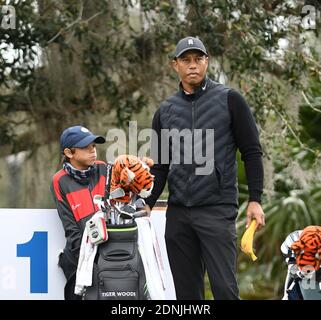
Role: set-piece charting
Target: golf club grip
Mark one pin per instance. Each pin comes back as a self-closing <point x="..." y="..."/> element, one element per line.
<point x="139" y="214"/>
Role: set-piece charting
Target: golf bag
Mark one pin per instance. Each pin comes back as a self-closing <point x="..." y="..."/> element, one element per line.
<point x="117" y="264"/>
<point x="302" y="282"/>
<point x="118" y="271"/>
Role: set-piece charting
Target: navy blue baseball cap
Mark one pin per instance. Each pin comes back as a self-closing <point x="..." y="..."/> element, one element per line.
<point x="189" y="43"/>
<point x="78" y="137"/>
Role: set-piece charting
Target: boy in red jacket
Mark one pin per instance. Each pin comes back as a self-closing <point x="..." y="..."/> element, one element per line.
<point x="73" y="188"/>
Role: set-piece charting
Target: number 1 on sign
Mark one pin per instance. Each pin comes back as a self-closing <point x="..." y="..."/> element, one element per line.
<point x="37" y="250"/>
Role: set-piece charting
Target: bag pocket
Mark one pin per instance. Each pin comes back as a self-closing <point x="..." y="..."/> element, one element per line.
<point x="118" y="283"/>
<point x="118" y="251"/>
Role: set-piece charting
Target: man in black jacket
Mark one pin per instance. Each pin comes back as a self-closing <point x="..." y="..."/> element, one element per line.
<point x="73" y="188"/>
<point x="203" y="196"/>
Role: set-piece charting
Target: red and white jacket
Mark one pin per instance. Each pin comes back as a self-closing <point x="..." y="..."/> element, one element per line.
<point x="74" y="202"/>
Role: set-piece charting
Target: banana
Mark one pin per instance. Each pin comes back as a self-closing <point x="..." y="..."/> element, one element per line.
<point x="247" y="240"/>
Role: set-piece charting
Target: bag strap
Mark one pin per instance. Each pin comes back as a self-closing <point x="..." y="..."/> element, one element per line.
<point x="108" y="180"/>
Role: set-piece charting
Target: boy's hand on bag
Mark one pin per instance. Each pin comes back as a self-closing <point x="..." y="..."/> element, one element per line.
<point x="148" y="210"/>
<point x="255" y="211"/>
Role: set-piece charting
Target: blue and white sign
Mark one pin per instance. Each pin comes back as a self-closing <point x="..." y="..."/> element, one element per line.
<point x="30" y="242"/>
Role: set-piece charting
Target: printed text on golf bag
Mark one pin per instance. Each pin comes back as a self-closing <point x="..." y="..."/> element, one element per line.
<point x="118" y="272"/>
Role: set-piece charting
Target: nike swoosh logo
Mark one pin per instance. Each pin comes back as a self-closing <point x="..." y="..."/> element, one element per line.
<point x="74" y="207"/>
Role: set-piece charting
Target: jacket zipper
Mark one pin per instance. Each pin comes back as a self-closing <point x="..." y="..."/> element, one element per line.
<point x="92" y="200"/>
<point x="192" y="150"/>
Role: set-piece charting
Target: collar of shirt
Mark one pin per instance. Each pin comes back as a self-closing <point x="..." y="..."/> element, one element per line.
<point x="200" y="88"/>
<point x="82" y="176"/>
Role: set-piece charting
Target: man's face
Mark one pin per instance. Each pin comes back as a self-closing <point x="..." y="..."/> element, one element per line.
<point x="82" y="158"/>
<point x="191" y="67"/>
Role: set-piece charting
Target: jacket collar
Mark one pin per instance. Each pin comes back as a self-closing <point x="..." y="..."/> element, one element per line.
<point x="198" y="90"/>
<point x="81" y="176"/>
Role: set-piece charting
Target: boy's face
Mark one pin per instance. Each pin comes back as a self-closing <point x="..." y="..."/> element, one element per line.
<point x="82" y="158"/>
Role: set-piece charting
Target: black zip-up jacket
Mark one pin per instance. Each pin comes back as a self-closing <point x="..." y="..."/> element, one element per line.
<point x="211" y="106"/>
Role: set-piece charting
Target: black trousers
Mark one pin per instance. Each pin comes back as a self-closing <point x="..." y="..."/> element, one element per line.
<point x="199" y="239"/>
<point x="68" y="263"/>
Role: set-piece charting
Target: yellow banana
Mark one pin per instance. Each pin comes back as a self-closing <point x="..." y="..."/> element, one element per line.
<point x="247" y="240"/>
